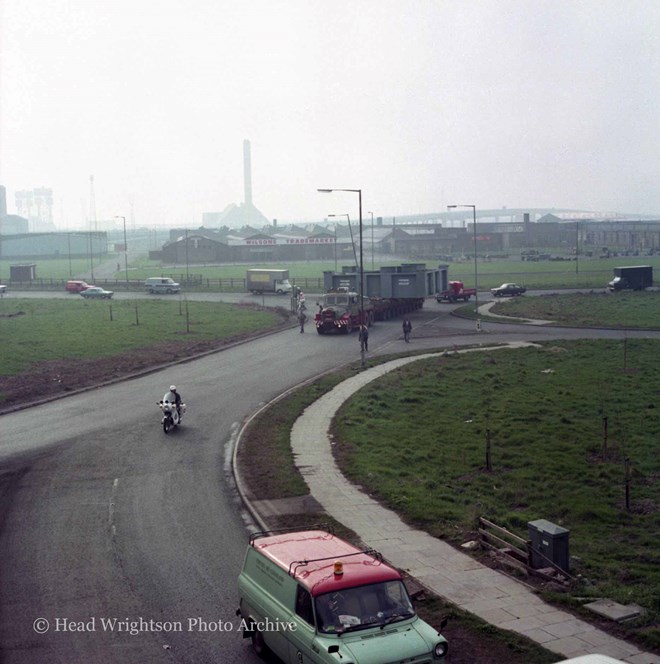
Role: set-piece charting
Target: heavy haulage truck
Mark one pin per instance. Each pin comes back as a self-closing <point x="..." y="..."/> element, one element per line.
<point x="388" y="293"/>
<point x="260" y="280"/>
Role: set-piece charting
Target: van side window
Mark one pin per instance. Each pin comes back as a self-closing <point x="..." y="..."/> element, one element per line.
<point x="304" y="605"/>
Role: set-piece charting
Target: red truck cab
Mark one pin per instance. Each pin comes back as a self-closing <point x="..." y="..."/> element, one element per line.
<point x="456" y="292"/>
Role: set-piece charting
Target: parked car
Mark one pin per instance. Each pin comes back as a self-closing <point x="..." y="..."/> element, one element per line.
<point x="3" y="289"/>
<point x="73" y="286"/>
<point x="97" y="293"/>
<point x="508" y="289"/>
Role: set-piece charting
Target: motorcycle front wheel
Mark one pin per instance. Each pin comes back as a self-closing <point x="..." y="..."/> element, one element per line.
<point x="167" y="424"/>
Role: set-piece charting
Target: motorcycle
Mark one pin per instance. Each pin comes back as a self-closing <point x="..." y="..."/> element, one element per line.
<point x="171" y="415"/>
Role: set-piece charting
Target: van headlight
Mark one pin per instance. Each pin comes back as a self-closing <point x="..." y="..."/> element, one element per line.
<point x="440" y="649"/>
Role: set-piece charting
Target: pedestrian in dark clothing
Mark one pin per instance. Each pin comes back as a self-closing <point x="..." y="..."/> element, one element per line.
<point x="364" y="337"/>
<point x="407" y="329"/>
<point x="301" y="319"/>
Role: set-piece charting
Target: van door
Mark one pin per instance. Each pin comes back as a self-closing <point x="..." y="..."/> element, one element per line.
<point x="302" y="637"/>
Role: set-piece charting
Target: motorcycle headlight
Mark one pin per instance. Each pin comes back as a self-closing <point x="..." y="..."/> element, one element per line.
<point x="440" y="649"/>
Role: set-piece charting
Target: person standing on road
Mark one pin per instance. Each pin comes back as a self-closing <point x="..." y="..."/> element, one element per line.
<point x="407" y="329"/>
<point x="301" y="319"/>
<point x="364" y="337"/>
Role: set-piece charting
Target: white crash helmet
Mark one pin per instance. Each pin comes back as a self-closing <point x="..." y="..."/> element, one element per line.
<point x="172" y="388"/>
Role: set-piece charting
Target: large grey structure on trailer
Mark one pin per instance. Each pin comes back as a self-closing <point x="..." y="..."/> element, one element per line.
<point x="409" y="280"/>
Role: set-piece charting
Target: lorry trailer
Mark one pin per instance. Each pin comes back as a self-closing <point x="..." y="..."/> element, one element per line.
<point x="268" y="281"/>
<point x="388" y="292"/>
<point x="635" y="277"/>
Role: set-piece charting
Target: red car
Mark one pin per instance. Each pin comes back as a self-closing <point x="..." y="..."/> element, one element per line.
<point x="76" y="286"/>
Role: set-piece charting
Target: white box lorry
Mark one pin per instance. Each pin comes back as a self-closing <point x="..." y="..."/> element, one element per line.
<point x="311" y="597"/>
<point x="268" y="281"/>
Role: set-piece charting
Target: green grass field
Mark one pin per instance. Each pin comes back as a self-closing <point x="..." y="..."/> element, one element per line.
<point x="584" y="273"/>
<point x="34" y="329"/>
<point x="626" y="309"/>
<point x="416" y="439"/>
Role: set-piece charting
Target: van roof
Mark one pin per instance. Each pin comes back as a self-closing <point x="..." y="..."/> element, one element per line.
<point x="309" y="556"/>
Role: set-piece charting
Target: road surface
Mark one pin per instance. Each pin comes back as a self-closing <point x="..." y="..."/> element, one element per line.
<point x="121" y="544"/>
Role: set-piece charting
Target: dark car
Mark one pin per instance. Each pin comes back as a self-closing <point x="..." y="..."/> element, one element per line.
<point x="508" y="289"/>
<point x="97" y="293"/>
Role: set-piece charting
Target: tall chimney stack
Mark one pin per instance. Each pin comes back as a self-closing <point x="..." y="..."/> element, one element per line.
<point x="247" y="173"/>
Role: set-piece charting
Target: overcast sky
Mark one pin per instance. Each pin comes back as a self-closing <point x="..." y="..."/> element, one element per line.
<point x="420" y="103"/>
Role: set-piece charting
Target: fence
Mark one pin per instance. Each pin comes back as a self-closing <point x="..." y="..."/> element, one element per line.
<point x="188" y="282"/>
<point x="518" y="551"/>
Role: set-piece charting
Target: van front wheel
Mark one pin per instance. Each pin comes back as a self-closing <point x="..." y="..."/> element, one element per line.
<point x="258" y="643"/>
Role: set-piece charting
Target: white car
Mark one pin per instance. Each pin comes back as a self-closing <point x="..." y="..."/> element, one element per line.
<point x="3" y="289"/>
<point x="96" y="293"/>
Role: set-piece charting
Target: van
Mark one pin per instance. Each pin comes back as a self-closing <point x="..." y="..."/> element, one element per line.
<point x="73" y="286"/>
<point x="161" y="285"/>
<point x="309" y="596"/>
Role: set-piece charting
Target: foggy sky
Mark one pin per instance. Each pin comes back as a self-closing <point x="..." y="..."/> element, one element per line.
<point x="420" y="103"/>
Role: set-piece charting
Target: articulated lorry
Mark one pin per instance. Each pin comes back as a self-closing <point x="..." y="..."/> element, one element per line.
<point x="268" y="281"/>
<point x="389" y="292"/>
<point x="635" y="277"/>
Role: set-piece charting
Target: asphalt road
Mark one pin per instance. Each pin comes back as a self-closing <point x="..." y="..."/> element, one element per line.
<point x="103" y="517"/>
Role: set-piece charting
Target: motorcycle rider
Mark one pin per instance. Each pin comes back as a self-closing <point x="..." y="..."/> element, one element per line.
<point x="174" y="397"/>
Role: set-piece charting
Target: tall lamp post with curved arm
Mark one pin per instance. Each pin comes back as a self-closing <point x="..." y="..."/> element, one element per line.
<point x="476" y="276"/>
<point x="125" y="249"/>
<point x="349" y="226"/>
<point x="372" y="240"/>
<point x="361" y="267"/>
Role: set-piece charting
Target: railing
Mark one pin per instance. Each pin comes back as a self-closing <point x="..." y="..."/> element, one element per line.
<point x="500" y="539"/>
<point x="518" y="551"/>
<point x="188" y="282"/>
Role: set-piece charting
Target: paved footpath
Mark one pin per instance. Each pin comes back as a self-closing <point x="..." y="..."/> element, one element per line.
<point x="453" y="575"/>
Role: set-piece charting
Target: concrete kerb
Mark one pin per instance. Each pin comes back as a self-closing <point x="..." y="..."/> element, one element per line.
<point x="484" y="310"/>
<point x="489" y="594"/>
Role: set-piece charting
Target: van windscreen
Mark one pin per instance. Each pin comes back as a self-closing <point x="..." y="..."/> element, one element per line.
<point x="374" y="605"/>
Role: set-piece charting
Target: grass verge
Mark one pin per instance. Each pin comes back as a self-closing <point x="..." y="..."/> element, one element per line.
<point x="572" y="429"/>
<point x="626" y="309"/>
<point x="35" y="330"/>
<point x="267" y="464"/>
<point x="545" y="411"/>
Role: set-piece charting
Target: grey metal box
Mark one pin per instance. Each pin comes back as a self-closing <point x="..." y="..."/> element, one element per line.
<point x="549" y="540"/>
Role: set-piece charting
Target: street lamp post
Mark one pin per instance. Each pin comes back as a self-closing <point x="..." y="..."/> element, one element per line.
<point x="125" y="249"/>
<point x="348" y="218"/>
<point x="361" y="266"/>
<point x="372" y="240"/>
<point x="476" y="276"/>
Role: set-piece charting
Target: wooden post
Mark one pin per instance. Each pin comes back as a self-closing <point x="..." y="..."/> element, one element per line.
<point x="489" y="467"/>
<point x="604" y="436"/>
<point x="627" y="482"/>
